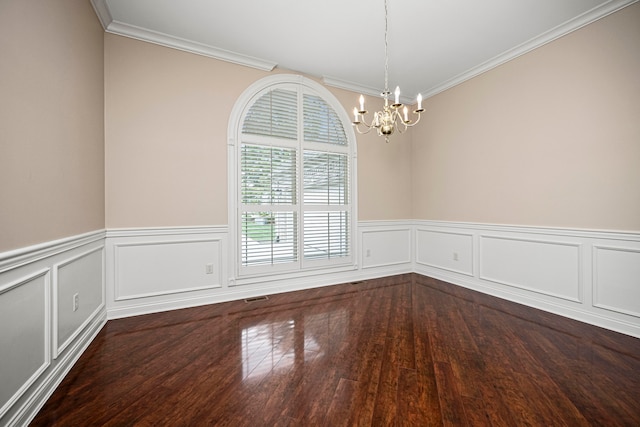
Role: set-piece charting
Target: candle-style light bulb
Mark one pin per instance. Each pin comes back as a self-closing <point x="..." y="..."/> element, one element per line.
<point x="361" y="102"/>
<point x="406" y="117"/>
<point x="397" y="94"/>
<point x="419" y="101"/>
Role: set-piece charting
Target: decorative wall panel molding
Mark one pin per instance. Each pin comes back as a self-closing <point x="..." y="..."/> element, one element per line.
<point x="591" y="276"/>
<point x="544" y="266"/>
<point x="25" y="335"/>
<point x="385" y="244"/>
<point x="158" y="269"/>
<point x="547" y="268"/>
<point x="41" y="336"/>
<point x="79" y="280"/>
<point x="616" y="278"/>
<point x="452" y="251"/>
<point x="166" y="267"/>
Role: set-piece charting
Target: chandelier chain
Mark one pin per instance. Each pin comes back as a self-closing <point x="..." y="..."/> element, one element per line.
<point x="386" y="48"/>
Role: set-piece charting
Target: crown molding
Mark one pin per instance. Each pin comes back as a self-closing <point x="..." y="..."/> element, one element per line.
<point x="351" y="86"/>
<point x="534" y="43"/>
<point x="102" y="11"/>
<point x="162" y="39"/>
<point x="119" y="28"/>
<point x="555" y="33"/>
<point x="134" y="32"/>
<point x="365" y="90"/>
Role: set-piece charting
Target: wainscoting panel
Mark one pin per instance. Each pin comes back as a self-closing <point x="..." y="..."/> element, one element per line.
<point x="81" y="277"/>
<point x="24" y="332"/>
<point x="166" y="267"/>
<point x="452" y="251"/>
<point x="158" y="269"/>
<point x="591" y="276"/>
<point x="617" y="279"/>
<point x="384" y="245"/>
<point x="547" y="267"/>
<point x="41" y="336"/>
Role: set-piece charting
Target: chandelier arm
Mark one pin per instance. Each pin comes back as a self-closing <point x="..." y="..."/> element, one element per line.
<point x="357" y="127"/>
<point x="399" y="117"/>
<point x="402" y="126"/>
<point x="418" y="113"/>
<point x="363" y="122"/>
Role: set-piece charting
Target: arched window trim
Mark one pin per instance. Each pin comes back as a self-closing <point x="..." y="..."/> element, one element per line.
<point x="234" y="132"/>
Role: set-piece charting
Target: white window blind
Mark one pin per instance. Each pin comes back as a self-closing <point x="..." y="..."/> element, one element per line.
<point x="326" y="235"/>
<point x="268" y="199"/>
<point x="321" y="123"/>
<point x="268" y="238"/>
<point x="326" y="178"/>
<point x="273" y="114"/>
<point x="294" y="182"/>
<point x="268" y="175"/>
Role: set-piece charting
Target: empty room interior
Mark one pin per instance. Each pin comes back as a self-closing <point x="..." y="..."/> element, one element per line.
<point x="393" y="212"/>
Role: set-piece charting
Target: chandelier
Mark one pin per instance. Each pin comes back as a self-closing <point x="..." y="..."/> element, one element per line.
<point x="390" y="118"/>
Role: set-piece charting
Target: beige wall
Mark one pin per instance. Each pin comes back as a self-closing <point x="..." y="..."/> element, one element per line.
<point x="166" y="134"/>
<point x="167" y="113"/>
<point x="384" y="172"/>
<point x="551" y="138"/>
<point x="51" y="121"/>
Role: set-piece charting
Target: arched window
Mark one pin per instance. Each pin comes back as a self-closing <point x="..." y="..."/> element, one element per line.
<point x="292" y="183"/>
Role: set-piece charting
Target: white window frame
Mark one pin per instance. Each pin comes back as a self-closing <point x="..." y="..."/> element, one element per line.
<point x="240" y="274"/>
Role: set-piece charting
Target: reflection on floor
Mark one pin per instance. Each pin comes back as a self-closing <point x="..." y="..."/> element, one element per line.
<point x="276" y="346"/>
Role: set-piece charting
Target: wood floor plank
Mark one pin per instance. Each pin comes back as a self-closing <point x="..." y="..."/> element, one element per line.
<point x="428" y="408"/>
<point x="451" y="402"/>
<point x="343" y="404"/>
<point x="394" y="357"/>
<point x="405" y="350"/>
<point x="369" y="381"/>
<point x="386" y="397"/>
<point x="408" y="411"/>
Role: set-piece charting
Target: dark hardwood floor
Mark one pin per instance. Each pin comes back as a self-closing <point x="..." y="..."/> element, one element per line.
<point x="404" y="350"/>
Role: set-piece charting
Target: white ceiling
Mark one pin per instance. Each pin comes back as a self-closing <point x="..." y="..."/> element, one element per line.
<point x="433" y="44"/>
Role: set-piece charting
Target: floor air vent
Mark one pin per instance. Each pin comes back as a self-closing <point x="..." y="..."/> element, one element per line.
<point x="254" y="299"/>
